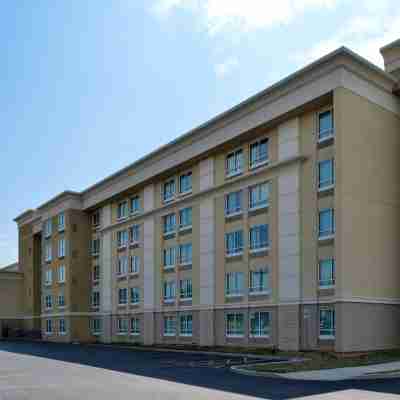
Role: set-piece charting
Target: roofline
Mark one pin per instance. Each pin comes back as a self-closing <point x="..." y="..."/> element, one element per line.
<point x="66" y="193"/>
<point x="23" y="215"/>
<point x="344" y="51"/>
<point x="390" y="45"/>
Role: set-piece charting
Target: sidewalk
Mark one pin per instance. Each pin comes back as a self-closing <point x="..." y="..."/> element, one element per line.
<point x="377" y="371"/>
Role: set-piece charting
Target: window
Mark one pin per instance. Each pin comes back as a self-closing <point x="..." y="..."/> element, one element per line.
<point x="122" y="265"/>
<point x="135" y="205"/>
<point x="169" y="257"/>
<point x="185" y="254"/>
<point x="169" y="223"/>
<point x="185" y="183"/>
<point x="169" y="190"/>
<point x="95" y="247"/>
<point x="186" y="289"/>
<point x="169" y="326"/>
<point x="134" y="234"/>
<point x="61" y="300"/>
<point x="234" y="243"/>
<point x="96" y="218"/>
<point x="96" y="273"/>
<point x="233" y="203"/>
<point x="326" y="273"/>
<point x="260" y="324"/>
<point x="234" y="325"/>
<point x="61" y="248"/>
<point x="169" y="291"/>
<point x="134" y="265"/>
<point x="234" y="163"/>
<point x="47" y="252"/>
<point x="234" y="284"/>
<point x="61" y="274"/>
<point x="325" y="125"/>
<point x="48" y="301"/>
<point x="49" y="326"/>
<point x="326" y="174"/>
<point x="48" y="278"/>
<point x="259" y="153"/>
<point x="122" y="296"/>
<point x="61" y="222"/>
<point x="185" y="218"/>
<point x="135" y="326"/>
<point x="326" y="224"/>
<point x="122" y="211"/>
<point x="61" y="327"/>
<point x="122" y="238"/>
<point x="135" y="295"/>
<point x="186" y="325"/>
<point x="259" y="281"/>
<point x="327" y="323"/>
<point x="259" y="196"/>
<point x="47" y="228"/>
<point x="95" y="326"/>
<point x="259" y="238"/>
<point x="122" y="326"/>
<point x="96" y="299"/>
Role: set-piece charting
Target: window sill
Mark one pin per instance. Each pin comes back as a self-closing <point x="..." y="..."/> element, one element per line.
<point x="122" y="276"/>
<point x="123" y="247"/>
<point x="330" y="135"/>
<point x="169" y="234"/>
<point x="235" y="336"/>
<point x="259" y="164"/>
<point x="185" y="335"/>
<point x="259" y="207"/>
<point x="233" y="214"/>
<point x="185" y="299"/>
<point x="169" y="301"/>
<point x="119" y="219"/>
<point x="134" y="334"/>
<point x="185" y="228"/>
<point x="233" y="255"/>
<point x="184" y="194"/>
<point x="61" y="257"/>
<point x="326" y="287"/>
<point x="169" y="268"/>
<point x="326" y="188"/>
<point x="233" y="295"/>
<point x="260" y="250"/>
<point x="134" y="274"/>
<point x="96" y="333"/>
<point x="61" y="282"/>
<point x="134" y="244"/>
<point x="326" y="237"/>
<point x="260" y="293"/>
<point x="135" y="213"/>
<point x="122" y="333"/>
<point x="48" y="284"/>
<point x="48" y="333"/>
<point x="122" y="304"/>
<point x="62" y="334"/>
<point x="135" y="304"/>
<point x="326" y="337"/>
<point x="61" y="307"/>
<point x="61" y="230"/>
<point x="259" y="336"/>
<point x="185" y="264"/>
<point x="169" y="334"/>
<point x="229" y="175"/>
<point x="169" y="200"/>
<point x="95" y="254"/>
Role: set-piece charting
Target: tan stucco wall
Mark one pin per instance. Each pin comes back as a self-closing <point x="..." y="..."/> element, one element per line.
<point x="11" y="294"/>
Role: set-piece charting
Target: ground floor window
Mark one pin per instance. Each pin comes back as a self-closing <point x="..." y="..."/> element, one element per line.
<point x="327" y="323"/>
<point x="61" y="327"/>
<point x="186" y="325"/>
<point x="95" y="326"/>
<point x="260" y="324"/>
<point x="234" y="325"/>
<point x="122" y="326"/>
<point x="135" y="326"/>
<point x="169" y="326"/>
<point x="49" y="326"/>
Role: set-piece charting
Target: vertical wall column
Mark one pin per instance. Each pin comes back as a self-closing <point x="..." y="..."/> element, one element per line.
<point x="289" y="239"/>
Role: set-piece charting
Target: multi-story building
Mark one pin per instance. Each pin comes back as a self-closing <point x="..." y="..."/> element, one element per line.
<point x="274" y="224"/>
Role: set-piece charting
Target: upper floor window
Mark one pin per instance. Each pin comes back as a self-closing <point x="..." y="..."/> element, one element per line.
<point x="48" y="228"/>
<point x="233" y="203"/>
<point x="169" y="326"/>
<point x="185" y="289"/>
<point x="122" y="211"/>
<point x="95" y="299"/>
<point x="134" y="266"/>
<point x="185" y="218"/>
<point x="134" y="233"/>
<point x="169" y="190"/>
<point x="327" y="323"/>
<point x="96" y="218"/>
<point x="95" y="244"/>
<point x="260" y="324"/>
<point x="47" y="252"/>
<point x="326" y="229"/>
<point x="123" y="296"/>
<point x="61" y="222"/>
<point x="48" y="280"/>
<point x="96" y="273"/>
<point x="185" y="254"/>
<point x="135" y="204"/>
<point x="61" y="300"/>
<point x="326" y="273"/>
<point x="259" y="281"/>
<point x="48" y="301"/>
<point x="234" y="283"/>
<point x="234" y="163"/>
<point x="135" y="295"/>
<point x="235" y="325"/>
<point x="326" y="174"/>
<point x="61" y="248"/>
<point x="186" y="325"/>
<point x="169" y="290"/>
<point x="259" y="153"/>
<point x="135" y="326"/>
<point x="259" y="196"/>
<point x="169" y="257"/>
<point x="234" y="243"/>
<point x="122" y="238"/>
<point x="122" y="326"/>
<point x="61" y="274"/>
<point x="259" y="237"/>
<point x="122" y="265"/>
<point x="325" y="125"/>
<point x="169" y="223"/>
<point x="185" y="183"/>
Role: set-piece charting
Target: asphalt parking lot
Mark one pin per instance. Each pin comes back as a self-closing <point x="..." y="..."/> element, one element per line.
<point x="56" y="371"/>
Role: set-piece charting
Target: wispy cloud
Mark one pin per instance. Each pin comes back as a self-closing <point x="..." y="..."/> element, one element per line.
<point x="227" y="66"/>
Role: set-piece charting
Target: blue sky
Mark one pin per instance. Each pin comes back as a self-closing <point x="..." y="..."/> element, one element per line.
<point x="90" y="86"/>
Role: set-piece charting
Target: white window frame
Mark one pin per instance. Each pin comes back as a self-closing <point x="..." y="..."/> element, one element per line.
<point x="122" y="326"/>
<point x="96" y="273"/>
<point x="186" y="325"/>
<point x="95" y="326"/>
<point x="256" y="290"/>
<point x="326" y="234"/>
<point x="259" y="204"/>
<point x="61" y="222"/>
<point x="259" y="332"/>
<point x="329" y="333"/>
<point x="48" y="277"/>
<point x="61" y="273"/>
<point x="49" y="327"/>
<point x="238" y="249"/>
<point x="183" y="224"/>
<point x="186" y="175"/>
<point x="122" y="238"/>
<point x="48" y="228"/>
<point x="331" y="183"/>
<point x="169" y="224"/>
<point x="331" y="283"/>
<point x="238" y="208"/>
<point x="186" y="289"/>
<point x="61" y="304"/>
<point x="234" y="284"/>
<point x="169" y="253"/>
<point x="96" y="219"/>
<point x="134" y="265"/>
<point x="169" y="328"/>
<point x="95" y="249"/>
<point x="123" y="298"/>
<point x="62" y="327"/>
<point x="122" y="210"/>
<point x="236" y="333"/>
<point x="258" y="162"/>
<point x="169" y="291"/>
<point x="133" y="200"/>
<point x="170" y="195"/>
<point x="135" y="295"/>
<point x="331" y="132"/>
<point x="122" y="265"/>
<point x="62" y="243"/>
<point x="48" y="252"/>
<point x="48" y="301"/>
<point x="95" y="299"/>
<point x="134" y="326"/>
<point x="134" y="234"/>
<point x="257" y="246"/>
<point x="185" y="259"/>
<point x="238" y="155"/>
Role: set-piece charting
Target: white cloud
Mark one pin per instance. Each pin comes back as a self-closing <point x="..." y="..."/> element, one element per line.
<point x="224" y="68"/>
